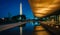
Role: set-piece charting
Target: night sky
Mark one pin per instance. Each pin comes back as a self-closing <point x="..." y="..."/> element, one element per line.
<point x="13" y="7"/>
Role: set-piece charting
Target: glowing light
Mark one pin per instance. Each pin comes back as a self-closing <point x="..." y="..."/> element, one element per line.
<point x="20" y="8"/>
<point x="20" y="18"/>
<point x="44" y="7"/>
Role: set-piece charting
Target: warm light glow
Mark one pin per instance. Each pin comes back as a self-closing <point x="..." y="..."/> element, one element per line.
<point x="43" y="8"/>
<point x="39" y="5"/>
<point x="39" y="15"/>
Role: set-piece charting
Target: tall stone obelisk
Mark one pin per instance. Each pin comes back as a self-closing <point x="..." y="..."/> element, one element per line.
<point x="20" y="14"/>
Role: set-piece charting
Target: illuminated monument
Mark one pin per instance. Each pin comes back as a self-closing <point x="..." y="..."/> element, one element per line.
<point x="40" y="8"/>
